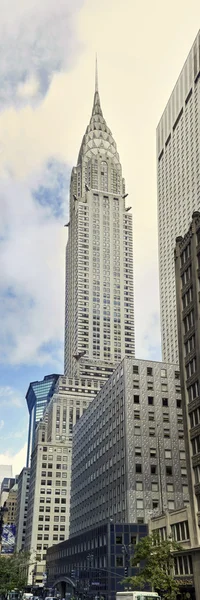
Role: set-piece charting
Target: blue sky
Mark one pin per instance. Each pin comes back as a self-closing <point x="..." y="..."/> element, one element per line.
<point x="47" y="84"/>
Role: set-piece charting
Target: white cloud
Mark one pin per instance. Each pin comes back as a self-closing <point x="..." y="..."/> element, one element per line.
<point x="1" y="424"/>
<point x="18" y="460"/>
<point x="10" y="397"/>
<point x="32" y="240"/>
<point x="36" y="40"/>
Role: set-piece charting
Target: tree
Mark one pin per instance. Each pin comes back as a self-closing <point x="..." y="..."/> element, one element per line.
<point x="156" y="560"/>
<point x="13" y="571"/>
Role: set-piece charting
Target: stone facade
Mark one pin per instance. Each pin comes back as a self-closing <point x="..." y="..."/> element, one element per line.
<point x="127" y="460"/>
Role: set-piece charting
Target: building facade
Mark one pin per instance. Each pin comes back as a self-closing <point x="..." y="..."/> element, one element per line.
<point x="178" y="175"/>
<point x="37" y="397"/>
<point x="187" y="270"/>
<point x="94" y="564"/>
<point x="21" y="509"/>
<point x="47" y="520"/>
<point x="5" y="471"/>
<point x="6" y="486"/>
<point x="128" y="448"/>
<point x="99" y="313"/>
<point x="11" y="506"/>
<point x="179" y="526"/>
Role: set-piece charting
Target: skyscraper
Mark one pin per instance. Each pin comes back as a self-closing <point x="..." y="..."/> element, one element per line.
<point x="47" y="519"/>
<point x="37" y="397"/>
<point x="178" y="164"/>
<point x="99" y="317"/>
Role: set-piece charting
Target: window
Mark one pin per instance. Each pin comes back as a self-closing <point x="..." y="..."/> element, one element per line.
<point x="149" y="371"/>
<point x="119" y="561"/>
<point x="170" y="487"/>
<point x="182" y="454"/>
<point x="177" y="374"/>
<point x="163" y="387"/>
<point x="168" y="470"/>
<point x="171" y="505"/>
<point x="153" y="469"/>
<point x="138" y="452"/>
<point x="136" y="399"/>
<point x="140" y="503"/>
<point x="139" y="486"/>
<point x="165" y="401"/>
<point x="155" y="504"/>
<point x="150" y="400"/>
<point x="138" y="468"/>
<point x="152" y="452"/>
<point x="163" y="373"/>
<point x="152" y="431"/>
<point x="151" y="416"/>
<point x="168" y="453"/>
<point x="118" y="539"/>
<point x="183" y="472"/>
<point x="137" y="430"/>
<point x="183" y="565"/>
<point x="178" y="403"/>
<point x="154" y="487"/>
<point x="133" y="540"/>
<point x="136" y="415"/>
<point x="180" y="531"/>
<point x="135" y="369"/>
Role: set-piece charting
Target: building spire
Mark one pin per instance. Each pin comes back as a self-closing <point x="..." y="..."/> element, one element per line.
<point x="96" y="75"/>
<point x="96" y="105"/>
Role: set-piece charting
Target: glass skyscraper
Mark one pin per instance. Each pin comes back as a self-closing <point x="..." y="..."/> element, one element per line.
<point x="37" y="397"/>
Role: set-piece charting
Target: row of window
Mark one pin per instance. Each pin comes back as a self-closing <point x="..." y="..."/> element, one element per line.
<point x="152" y="431"/>
<point x="163" y="372"/>
<point x="180" y="531"/>
<point x="150" y="401"/>
<point x="168" y="470"/>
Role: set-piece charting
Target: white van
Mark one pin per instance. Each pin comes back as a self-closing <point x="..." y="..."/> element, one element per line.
<point x="137" y="596"/>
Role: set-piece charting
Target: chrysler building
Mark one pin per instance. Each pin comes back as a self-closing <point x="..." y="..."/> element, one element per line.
<point x="99" y="305"/>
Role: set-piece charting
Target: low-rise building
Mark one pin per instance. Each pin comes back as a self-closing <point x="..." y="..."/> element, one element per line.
<point x="94" y="563"/>
<point x="178" y="525"/>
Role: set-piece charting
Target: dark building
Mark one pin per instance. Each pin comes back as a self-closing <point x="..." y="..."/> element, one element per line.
<point x="187" y="270"/>
<point x="94" y="564"/>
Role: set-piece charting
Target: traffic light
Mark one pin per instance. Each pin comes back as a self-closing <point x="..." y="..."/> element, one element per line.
<point x="126" y="571"/>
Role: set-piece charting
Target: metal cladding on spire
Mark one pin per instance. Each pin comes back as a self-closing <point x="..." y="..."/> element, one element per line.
<point x="98" y="136"/>
<point x="96" y="76"/>
<point x="96" y="104"/>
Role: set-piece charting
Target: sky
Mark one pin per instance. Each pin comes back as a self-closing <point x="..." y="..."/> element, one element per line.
<point x="47" y="84"/>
